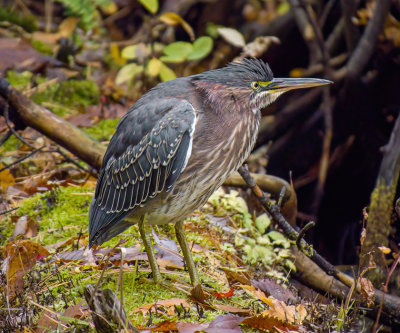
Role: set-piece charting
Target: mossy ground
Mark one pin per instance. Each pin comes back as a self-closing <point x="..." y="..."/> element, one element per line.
<point x="62" y="214"/>
<point x="103" y="130"/>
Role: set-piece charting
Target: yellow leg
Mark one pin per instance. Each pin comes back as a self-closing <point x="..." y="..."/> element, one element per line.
<point x="180" y="235"/>
<point x="150" y="252"/>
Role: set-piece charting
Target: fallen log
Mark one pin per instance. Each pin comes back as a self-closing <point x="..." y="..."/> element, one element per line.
<point x="57" y="129"/>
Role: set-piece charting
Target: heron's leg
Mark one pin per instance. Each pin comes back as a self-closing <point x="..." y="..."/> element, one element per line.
<point x="150" y="252"/>
<point x="180" y="235"/>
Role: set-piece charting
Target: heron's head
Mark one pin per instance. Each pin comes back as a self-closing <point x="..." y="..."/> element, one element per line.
<point x="252" y="81"/>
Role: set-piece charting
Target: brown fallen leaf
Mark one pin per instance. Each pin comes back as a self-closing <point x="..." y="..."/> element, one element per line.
<point x="257" y="293"/>
<point x="65" y="29"/>
<point x="165" y="326"/>
<point x="19" y="54"/>
<point x="292" y="314"/>
<point x="6" y="178"/>
<point x="261" y="322"/>
<point x="367" y="291"/>
<point x="20" y="257"/>
<point x="275" y="290"/>
<point x="224" y="323"/>
<point x="25" y="227"/>
<point x="232" y="309"/>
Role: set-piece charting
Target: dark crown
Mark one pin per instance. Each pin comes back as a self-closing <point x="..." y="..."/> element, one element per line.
<point x="238" y="73"/>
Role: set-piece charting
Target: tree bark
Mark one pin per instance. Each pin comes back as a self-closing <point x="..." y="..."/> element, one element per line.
<point x="381" y="207"/>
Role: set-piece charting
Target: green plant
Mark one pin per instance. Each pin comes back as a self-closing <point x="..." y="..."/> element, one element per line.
<point x="86" y="10"/>
<point x="177" y="52"/>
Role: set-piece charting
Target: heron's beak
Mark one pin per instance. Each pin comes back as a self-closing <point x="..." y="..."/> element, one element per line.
<point x="286" y="84"/>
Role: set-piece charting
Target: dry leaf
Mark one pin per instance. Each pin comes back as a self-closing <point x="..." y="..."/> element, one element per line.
<point x="257" y="293"/>
<point x="232" y="36"/>
<point x="6" y="178"/>
<point x="20" y="257"/>
<point x="65" y="29"/>
<point x="174" y="19"/>
<point x="232" y="309"/>
<point x="292" y="314"/>
<point x="261" y="322"/>
<point x="384" y="249"/>
<point x="367" y="291"/>
<point x="275" y="290"/>
<point x="26" y="227"/>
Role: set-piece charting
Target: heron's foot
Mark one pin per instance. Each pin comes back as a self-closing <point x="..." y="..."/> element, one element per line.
<point x="148" y="246"/>
<point x="180" y="235"/>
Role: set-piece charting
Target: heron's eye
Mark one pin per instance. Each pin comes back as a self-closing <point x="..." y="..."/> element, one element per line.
<point x="255" y="85"/>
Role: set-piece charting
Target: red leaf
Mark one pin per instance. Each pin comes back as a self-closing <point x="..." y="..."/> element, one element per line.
<point x="227" y="294"/>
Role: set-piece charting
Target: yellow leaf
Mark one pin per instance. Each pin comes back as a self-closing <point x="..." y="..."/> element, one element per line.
<point x="129" y="52"/>
<point x="296" y="72"/>
<point x="257" y="293"/>
<point x="110" y="8"/>
<point x="6" y="178"/>
<point x="150" y="5"/>
<point x="174" y="19"/>
<point x="153" y="67"/>
<point x="128" y="72"/>
<point x="67" y="27"/>
<point x="166" y="73"/>
<point x="384" y="249"/>
<point x="115" y="54"/>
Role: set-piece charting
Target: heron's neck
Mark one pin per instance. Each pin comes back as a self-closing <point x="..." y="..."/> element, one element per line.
<point x="221" y="98"/>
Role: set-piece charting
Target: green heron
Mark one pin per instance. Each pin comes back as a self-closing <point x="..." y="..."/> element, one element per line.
<point x="177" y="145"/>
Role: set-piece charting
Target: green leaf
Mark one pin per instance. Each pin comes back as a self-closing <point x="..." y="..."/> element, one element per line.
<point x="177" y="52"/>
<point x="262" y="223"/>
<point x="202" y="47"/>
<point x="275" y="236"/>
<point x="150" y="5"/>
<point x="166" y="73"/>
<point x="129" y="52"/>
<point x="128" y="72"/>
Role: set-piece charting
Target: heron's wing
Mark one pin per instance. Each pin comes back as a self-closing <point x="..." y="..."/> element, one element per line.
<point x="135" y="171"/>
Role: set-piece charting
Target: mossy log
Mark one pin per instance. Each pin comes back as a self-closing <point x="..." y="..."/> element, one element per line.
<point x="381" y="207"/>
<point x="52" y="126"/>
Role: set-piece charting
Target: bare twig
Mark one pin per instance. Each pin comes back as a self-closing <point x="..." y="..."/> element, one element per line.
<point x="5" y="137"/>
<point x="367" y="43"/>
<point x="8" y="211"/>
<point x="385" y="290"/>
<point x="319" y="38"/>
<point x="351" y="31"/>
<point x="301" y="19"/>
<point x="22" y="158"/>
<point x="289" y="231"/>
<point x="19" y="137"/>
<point x="391" y="304"/>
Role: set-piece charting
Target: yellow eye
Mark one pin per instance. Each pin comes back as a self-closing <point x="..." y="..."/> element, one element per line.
<point x="255" y="85"/>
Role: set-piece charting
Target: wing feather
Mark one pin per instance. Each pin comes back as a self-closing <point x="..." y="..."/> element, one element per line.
<point x="143" y="168"/>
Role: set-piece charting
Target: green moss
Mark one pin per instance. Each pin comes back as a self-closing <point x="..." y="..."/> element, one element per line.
<point x="12" y="144"/>
<point x="19" y="80"/>
<point x="28" y="22"/>
<point x="65" y="97"/>
<point x="103" y="130"/>
<point x="42" y="47"/>
<point x="63" y="213"/>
